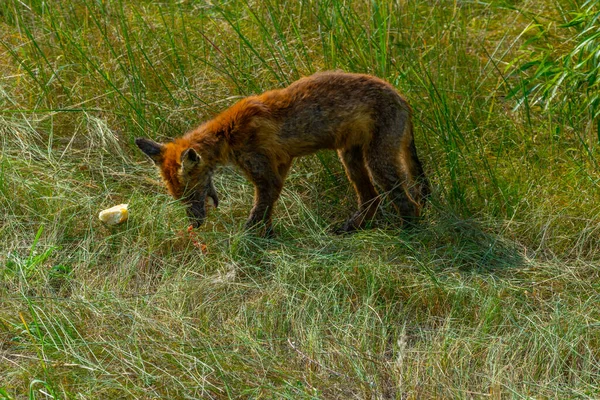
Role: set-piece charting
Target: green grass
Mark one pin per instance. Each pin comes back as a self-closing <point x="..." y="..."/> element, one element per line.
<point x="495" y="295"/>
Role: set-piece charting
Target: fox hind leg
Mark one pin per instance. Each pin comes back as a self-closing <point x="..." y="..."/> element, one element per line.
<point x="420" y="188"/>
<point x="368" y="198"/>
<point x="386" y="166"/>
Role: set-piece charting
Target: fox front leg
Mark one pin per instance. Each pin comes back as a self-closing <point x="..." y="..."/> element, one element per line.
<point x="265" y="196"/>
<point x="268" y="183"/>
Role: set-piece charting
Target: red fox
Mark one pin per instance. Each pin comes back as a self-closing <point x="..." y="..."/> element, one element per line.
<point x="361" y="116"/>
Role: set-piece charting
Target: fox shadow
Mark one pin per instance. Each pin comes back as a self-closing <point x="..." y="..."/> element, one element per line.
<point x="463" y="244"/>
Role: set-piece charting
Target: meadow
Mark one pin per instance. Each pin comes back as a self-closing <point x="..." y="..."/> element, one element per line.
<point x="496" y="294"/>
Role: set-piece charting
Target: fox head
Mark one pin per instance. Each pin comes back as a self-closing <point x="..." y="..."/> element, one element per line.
<point x="186" y="175"/>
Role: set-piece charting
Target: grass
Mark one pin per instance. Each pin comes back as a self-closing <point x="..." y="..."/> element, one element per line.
<point x="495" y="295"/>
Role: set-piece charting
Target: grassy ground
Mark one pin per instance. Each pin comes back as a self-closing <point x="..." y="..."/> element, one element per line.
<point x="496" y="295"/>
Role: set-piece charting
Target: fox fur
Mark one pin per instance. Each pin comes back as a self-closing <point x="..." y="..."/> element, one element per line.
<point x="362" y="117"/>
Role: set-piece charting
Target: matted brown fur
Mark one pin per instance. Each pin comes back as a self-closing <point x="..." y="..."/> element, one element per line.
<point x="361" y="116"/>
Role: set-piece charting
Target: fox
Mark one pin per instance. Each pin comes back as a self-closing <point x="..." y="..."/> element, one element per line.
<point x="362" y="117"/>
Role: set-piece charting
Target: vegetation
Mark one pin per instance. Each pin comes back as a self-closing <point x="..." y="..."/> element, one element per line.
<point x="495" y="295"/>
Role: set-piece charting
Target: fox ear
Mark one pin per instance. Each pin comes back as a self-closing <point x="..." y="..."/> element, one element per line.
<point x="189" y="159"/>
<point x="150" y="148"/>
